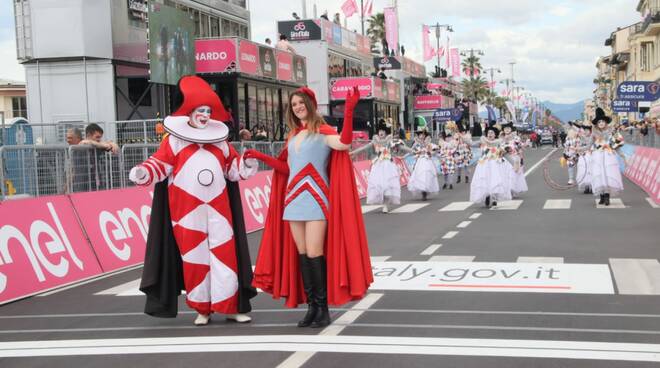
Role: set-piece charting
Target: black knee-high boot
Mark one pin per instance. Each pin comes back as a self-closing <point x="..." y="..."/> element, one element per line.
<point x="308" y="284"/>
<point x="319" y="275"/>
<point x="602" y="199"/>
<point x="607" y="199"/>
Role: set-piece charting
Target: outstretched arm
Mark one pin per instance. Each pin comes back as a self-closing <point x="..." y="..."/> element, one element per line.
<point x="156" y="168"/>
<point x="278" y="164"/>
<point x="343" y="141"/>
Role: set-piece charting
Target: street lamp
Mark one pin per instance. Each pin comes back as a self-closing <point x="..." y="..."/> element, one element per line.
<point x="438" y="27"/>
<point x="492" y="79"/>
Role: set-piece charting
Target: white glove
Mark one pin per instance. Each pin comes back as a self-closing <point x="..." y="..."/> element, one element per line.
<point x="139" y="175"/>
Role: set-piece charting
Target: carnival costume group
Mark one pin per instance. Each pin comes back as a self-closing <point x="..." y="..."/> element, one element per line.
<point x="197" y="240"/>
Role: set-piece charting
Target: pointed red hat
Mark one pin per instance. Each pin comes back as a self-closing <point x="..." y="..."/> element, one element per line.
<point x="196" y="92"/>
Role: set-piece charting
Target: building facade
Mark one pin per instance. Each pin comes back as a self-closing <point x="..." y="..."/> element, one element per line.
<point x="12" y="100"/>
<point x="87" y="60"/>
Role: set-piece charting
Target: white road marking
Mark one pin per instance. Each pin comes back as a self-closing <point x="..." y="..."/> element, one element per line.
<point x="84" y="282"/>
<point x="410" y="207"/>
<point x="557" y="204"/>
<point x="301" y="356"/>
<point x="431" y="249"/>
<point x="129" y="287"/>
<point x="531" y="169"/>
<point x="559" y="349"/>
<point x="456" y="206"/>
<point x="653" y="204"/>
<point x="540" y="260"/>
<point x="475" y="216"/>
<point x="614" y="203"/>
<point x="464" y="224"/>
<point x="507" y="205"/>
<point x="450" y="234"/>
<point x="379" y="258"/>
<point x="636" y="276"/>
<point x="452" y="259"/>
<point x="368" y="208"/>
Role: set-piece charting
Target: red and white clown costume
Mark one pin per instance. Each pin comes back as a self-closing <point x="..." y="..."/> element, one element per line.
<point x="196" y="160"/>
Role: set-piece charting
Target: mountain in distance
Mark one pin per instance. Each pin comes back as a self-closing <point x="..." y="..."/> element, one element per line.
<point x="566" y="112"/>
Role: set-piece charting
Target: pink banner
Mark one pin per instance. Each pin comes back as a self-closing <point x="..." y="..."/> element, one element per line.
<point x="362" y="169"/>
<point x="116" y="222"/>
<point x="41" y="247"/>
<point x="403" y="169"/>
<point x="341" y="86"/>
<point x="644" y="170"/>
<point x="349" y="8"/>
<point x="255" y="194"/>
<point x="429" y="52"/>
<point x="391" y="28"/>
<point x="427" y="102"/>
<point x="434" y="85"/>
<point x="455" y="62"/>
<point x="284" y="65"/>
<point x="392" y="91"/>
<point x="215" y="56"/>
<point x="248" y="57"/>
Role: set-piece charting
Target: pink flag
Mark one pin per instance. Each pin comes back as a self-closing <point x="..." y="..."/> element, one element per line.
<point x="391" y="28"/>
<point x="429" y="52"/>
<point x="368" y="8"/>
<point x="349" y="8"/>
<point x="455" y="62"/>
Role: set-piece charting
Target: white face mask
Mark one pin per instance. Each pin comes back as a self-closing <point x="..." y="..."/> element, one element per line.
<point x="199" y="118"/>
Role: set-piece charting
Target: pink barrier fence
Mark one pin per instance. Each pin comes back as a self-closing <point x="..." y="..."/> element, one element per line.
<point x="644" y="170"/>
<point x="50" y="242"/>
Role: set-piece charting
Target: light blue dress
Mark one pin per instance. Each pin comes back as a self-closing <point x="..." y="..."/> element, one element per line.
<point x="308" y="185"/>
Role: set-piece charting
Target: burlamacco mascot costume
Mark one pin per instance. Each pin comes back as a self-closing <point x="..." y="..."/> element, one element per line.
<point x="197" y="235"/>
<point x="345" y="274"/>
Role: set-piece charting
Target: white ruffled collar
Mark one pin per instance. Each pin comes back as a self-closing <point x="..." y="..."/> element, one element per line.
<point x="215" y="131"/>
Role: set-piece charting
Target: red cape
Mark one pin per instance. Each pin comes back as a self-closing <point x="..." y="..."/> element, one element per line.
<point x="346" y="249"/>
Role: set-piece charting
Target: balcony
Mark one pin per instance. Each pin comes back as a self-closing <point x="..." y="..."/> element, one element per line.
<point x="651" y="24"/>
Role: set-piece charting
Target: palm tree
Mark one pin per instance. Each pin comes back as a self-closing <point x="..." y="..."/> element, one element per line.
<point x="471" y="64"/>
<point x="475" y="88"/>
<point x="376" y="32"/>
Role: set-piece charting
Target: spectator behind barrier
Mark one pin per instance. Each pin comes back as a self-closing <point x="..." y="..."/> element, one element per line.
<point x="93" y="135"/>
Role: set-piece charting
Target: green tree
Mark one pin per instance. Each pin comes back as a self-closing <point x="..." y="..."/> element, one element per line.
<point x="474" y="86"/>
<point x="376" y="32"/>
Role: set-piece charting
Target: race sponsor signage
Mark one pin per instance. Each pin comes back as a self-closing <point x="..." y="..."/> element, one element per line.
<point x="392" y="91"/>
<point x="284" y="65"/>
<point x="389" y="63"/>
<point x="255" y="194"/>
<point x="493" y="277"/>
<point x="41" y="247"/>
<point x="326" y="26"/>
<point x="248" y="57"/>
<point x="361" y="171"/>
<point x="643" y="168"/>
<point x="116" y="222"/>
<point x="427" y="102"/>
<point x="624" y="106"/>
<point x="336" y="34"/>
<point x="299" y="69"/>
<point x="267" y="62"/>
<point x="454" y="114"/>
<point x="339" y="87"/>
<point x="299" y="30"/>
<point x="638" y="91"/>
<point x="215" y="56"/>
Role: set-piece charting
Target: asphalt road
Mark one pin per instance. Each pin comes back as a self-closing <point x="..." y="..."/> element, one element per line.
<point x="549" y="280"/>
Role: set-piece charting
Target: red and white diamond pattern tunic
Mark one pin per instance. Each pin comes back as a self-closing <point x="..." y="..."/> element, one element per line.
<point x="201" y="217"/>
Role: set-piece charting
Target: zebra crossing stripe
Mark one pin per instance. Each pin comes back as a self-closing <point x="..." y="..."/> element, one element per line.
<point x="636" y="276"/>
<point x="369" y="208"/>
<point x="456" y="206"/>
<point x="411" y="207"/>
<point x="557" y="204"/>
<point x="653" y="204"/>
<point x="540" y="260"/>
<point x="452" y="259"/>
<point x="614" y="203"/>
<point x="507" y="205"/>
<point x="431" y="249"/>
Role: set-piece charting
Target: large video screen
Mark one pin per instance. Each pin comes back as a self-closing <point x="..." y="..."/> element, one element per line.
<point x="171" y="44"/>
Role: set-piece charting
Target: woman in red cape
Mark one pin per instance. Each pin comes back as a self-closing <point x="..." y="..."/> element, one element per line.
<point x="338" y="271"/>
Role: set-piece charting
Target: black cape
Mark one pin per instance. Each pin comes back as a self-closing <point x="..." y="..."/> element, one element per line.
<point x="162" y="275"/>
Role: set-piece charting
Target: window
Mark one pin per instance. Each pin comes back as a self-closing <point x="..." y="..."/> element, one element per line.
<point x="204" y="25"/>
<point x="226" y="29"/>
<point x="242" y="118"/>
<point x="215" y="26"/>
<point x="19" y="107"/>
<point x="235" y="31"/>
<point x="252" y="107"/>
<point x="244" y="32"/>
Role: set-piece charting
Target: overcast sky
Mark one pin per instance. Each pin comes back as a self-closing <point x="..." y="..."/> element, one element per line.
<point x="555" y="43"/>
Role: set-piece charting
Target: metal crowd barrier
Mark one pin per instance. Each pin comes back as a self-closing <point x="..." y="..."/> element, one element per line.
<point x="634" y="136"/>
<point x="38" y="170"/>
